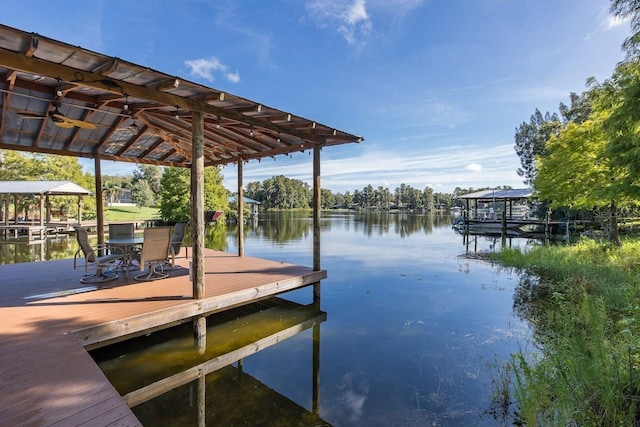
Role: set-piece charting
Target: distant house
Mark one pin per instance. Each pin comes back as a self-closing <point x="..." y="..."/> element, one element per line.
<point x="122" y="198"/>
<point x="254" y="205"/>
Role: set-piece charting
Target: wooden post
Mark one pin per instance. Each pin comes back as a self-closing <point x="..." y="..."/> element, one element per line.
<point x="504" y="219"/>
<point x="16" y="202"/>
<point x="41" y="211"/>
<point x="47" y="206"/>
<point x="197" y="205"/>
<point x="197" y="220"/>
<point x="79" y="209"/>
<point x="7" y="206"/>
<point x="317" y="201"/>
<point x="240" y="204"/>
<point x="99" y="201"/>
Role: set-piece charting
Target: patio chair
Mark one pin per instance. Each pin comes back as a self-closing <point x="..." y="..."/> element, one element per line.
<point x="97" y="259"/>
<point x="177" y="241"/>
<point x="121" y="231"/>
<point x="154" y="253"/>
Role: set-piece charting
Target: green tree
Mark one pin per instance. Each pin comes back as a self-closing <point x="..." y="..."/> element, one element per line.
<point x="578" y="173"/>
<point x="152" y="175"/>
<point x="620" y="95"/>
<point x="327" y="198"/>
<point x="175" y="193"/>
<point x="428" y="198"/>
<point x="110" y="191"/>
<point x="280" y="192"/>
<point x="531" y="139"/>
<point x="141" y="193"/>
<point x="254" y="190"/>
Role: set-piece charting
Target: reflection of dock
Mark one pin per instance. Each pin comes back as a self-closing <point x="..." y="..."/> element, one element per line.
<point x="47" y="377"/>
<point x="170" y="382"/>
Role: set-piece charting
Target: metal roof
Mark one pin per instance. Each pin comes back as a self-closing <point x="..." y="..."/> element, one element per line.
<point x="57" y="188"/>
<point x="246" y="200"/>
<point x="53" y="93"/>
<point x="511" y="193"/>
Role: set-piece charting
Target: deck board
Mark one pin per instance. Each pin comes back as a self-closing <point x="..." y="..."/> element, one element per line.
<point x="46" y="375"/>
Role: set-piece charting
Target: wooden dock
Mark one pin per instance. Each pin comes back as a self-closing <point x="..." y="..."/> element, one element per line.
<point x="50" y="319"/>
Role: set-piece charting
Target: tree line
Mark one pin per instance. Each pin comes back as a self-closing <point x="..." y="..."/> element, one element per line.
<point x="280" y="192"/>
<point x="169" y="189"/>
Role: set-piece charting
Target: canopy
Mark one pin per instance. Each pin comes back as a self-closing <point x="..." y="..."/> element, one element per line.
<point x="500" y="194"/>
<point x="52" y="188"/>
<point x="63" y="99"/>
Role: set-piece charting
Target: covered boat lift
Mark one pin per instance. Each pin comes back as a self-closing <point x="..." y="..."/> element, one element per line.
<point x="43" y="190"/>
<point x="492" y="219"/>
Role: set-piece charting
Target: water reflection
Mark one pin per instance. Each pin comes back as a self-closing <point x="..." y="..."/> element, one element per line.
<point x="415" y="324"/>
<point x="54" y="247"/>
<point x="167" y="381"/>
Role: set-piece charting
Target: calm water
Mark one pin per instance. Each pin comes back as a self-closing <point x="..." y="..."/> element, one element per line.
<point x="408" y="333"/>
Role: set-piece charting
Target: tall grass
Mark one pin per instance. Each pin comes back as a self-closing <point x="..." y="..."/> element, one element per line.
<point x="584" y="307"/>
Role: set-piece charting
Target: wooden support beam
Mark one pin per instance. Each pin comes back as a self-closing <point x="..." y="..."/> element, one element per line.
<point x="197" y="206"/>
<point x="240" y="204"/>
<point x="316" y="208"/>
<point x="317" y="200"/>
<point x="99" y="200"/>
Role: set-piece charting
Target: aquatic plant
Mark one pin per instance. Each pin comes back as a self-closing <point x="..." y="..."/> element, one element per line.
<point x="583" y="304"/>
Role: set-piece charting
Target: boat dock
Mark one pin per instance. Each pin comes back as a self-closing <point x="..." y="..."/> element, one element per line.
<point x="50" y="320"/>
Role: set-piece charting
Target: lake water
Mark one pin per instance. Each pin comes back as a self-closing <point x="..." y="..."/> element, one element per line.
<point x="408" y="333"/>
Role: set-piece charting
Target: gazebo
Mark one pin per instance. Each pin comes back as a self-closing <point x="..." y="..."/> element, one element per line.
<point x="66" y="100"/>
<point x="43" y="190"/>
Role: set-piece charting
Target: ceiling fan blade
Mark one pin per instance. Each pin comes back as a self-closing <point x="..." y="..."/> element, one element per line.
<point x="30" y="115"/>
<point x="64" y="124"/>
<point x="59" y="118"/>
<point x="82" y="124"/>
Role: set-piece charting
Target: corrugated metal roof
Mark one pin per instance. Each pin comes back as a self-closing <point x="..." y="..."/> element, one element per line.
<point x="58" y="188"/>
<point x="63" y="99"/>
<point x="512" y="193"/>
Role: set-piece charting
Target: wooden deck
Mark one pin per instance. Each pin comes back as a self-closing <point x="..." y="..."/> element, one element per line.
<point x="49" y="319"/>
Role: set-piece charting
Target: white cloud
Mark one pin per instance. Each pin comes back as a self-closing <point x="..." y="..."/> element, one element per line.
<point x="233" y="77"/>
<point x="442" y="168"/>
<point x="351" y="21"/>
<point x="205" y="68"/>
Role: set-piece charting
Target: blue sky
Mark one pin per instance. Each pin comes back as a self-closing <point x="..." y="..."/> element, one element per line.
<point x="436" y="88"/>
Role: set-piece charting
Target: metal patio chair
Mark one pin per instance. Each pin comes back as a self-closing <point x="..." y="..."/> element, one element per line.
<point x="121" y="231"/>
<point x="155" y="253"/>
<point x="177" y="241"/>
<point x="102" y="260"/>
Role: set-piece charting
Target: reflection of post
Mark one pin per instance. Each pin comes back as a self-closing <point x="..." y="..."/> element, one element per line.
<point x="200" y="333"/>
<point x="316" y="369"/>
<point x="202" y="400"/>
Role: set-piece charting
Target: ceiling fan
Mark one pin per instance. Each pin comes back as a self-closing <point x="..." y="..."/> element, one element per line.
<point x="59" y="119"/>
